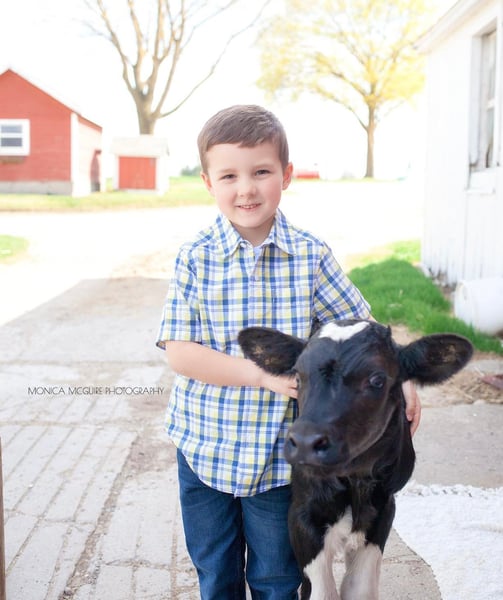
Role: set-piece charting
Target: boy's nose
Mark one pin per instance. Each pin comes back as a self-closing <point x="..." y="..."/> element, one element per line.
<point x="246" y="188"/>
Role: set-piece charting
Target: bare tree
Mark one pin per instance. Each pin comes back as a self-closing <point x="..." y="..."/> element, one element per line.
<point x="151" y="36"/>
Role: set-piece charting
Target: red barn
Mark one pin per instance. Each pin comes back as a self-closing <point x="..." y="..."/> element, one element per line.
<point x="46" y="147"/>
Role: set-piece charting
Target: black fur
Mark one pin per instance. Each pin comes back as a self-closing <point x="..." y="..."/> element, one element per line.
<point x="351" y="445"/>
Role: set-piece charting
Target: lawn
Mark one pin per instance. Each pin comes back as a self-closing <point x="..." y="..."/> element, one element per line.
<point x="400" y="293"/>
<point x="183" y="191"/>
<point x="11" y="247"/>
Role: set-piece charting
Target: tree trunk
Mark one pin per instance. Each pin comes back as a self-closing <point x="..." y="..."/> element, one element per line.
<point x="146" y="121"/>
<point x="370" y="143"/>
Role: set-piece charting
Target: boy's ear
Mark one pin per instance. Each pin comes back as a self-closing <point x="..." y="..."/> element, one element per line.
<point x="287" y="176"/>
<point x="207" y="182"/>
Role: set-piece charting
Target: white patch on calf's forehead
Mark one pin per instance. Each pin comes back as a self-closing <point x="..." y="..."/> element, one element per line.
<point x="339" y="333"/>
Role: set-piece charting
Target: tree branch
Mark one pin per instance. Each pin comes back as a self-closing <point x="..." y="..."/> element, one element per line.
<point x="116" y="42"/>
<point x="215" y="64"/>
<point x="149" y="69"/>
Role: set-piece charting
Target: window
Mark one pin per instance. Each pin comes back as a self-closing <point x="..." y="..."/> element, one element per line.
<point x="487" y="100"/>
<point x="484" y="113"/>
<point x="14" y="137"/>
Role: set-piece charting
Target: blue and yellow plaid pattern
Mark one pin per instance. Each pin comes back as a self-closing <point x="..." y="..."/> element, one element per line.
<point x="233" y="436"/>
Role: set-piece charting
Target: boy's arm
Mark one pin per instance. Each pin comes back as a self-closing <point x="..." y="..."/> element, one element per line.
<point x="216" y="368"/>
<point x="412" y="405"/>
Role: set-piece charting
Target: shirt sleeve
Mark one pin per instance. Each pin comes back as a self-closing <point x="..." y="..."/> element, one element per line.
<point x="335" y="295"/>
<point x="180" y="317"/>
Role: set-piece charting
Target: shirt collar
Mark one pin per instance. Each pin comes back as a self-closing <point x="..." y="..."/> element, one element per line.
<point x="228" y="238"/>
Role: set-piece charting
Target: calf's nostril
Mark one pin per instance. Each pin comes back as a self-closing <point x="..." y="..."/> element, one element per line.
<point x="292" y="439"/>
<point x="321" y="444"/>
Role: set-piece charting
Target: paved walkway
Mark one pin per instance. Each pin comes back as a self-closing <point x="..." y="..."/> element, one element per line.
<point x="89" y="482"/>
<point x="90" y="487"/>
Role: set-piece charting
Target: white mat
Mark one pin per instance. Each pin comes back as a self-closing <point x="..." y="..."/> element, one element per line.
<point x="458" y="531"/>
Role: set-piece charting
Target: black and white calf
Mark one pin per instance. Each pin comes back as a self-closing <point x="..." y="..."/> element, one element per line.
<point x="351" y="447"/>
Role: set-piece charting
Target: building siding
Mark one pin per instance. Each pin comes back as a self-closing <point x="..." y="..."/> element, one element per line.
<point x="49" y="158"/>
<point x="89" y="156"/>
<point x="137" y="173"/>
<point x="462" y="224"/>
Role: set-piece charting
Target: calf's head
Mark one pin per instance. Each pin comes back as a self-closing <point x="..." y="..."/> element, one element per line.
<point x="349" y="377"/>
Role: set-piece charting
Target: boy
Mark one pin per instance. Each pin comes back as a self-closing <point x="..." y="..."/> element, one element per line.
<point x="227" y="417"/>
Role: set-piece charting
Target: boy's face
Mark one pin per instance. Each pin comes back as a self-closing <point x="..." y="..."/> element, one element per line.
<point x="247" y="184"/>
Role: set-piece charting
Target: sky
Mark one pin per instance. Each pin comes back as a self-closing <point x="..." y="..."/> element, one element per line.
<point x="41" y="39"/>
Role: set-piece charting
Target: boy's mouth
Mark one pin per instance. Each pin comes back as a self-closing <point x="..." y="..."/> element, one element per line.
<point x="248" y="206"/>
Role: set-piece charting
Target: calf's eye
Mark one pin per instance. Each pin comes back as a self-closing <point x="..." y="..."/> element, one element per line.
<point x="377" y="380"/>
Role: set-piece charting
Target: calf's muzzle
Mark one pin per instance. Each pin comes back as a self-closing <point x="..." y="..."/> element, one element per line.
<point x="307" y="443"/>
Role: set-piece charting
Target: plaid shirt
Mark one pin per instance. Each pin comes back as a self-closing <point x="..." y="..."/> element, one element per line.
<point x="233" y="437"/>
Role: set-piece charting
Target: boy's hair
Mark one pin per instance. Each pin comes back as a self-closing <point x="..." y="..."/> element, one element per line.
<point x="247" y="125"/>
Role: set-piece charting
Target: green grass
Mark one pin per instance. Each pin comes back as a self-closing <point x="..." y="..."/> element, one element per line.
<point x="11" y="247"/>
<point x="183" y="191"/>
<point x="400" y="294"/>
<point x="408" y="250"/>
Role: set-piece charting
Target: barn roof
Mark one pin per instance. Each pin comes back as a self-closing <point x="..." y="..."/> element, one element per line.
<point x="56" y="95"/>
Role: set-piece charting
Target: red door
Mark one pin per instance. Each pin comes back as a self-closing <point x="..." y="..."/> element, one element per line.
<point x="136" y="173"/>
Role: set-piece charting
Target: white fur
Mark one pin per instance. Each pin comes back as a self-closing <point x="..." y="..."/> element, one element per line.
<point x="363" y="568"/>
<point x="363" y="563"/>
<point x="338" y="333"/>
<point x="320" y="574"/>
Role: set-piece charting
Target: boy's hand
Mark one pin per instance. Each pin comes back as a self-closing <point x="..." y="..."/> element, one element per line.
<point x="412" y="405"/>
<point x="281" y="384"/>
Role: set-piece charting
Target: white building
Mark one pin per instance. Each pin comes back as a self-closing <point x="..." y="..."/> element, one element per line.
<point x="463" y="233"/>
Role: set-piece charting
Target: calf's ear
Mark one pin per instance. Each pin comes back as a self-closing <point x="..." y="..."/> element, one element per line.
<point x="271" y="350"/>
<point x="434" y="358"/>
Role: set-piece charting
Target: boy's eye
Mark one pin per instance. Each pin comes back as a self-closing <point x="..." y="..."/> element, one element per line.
<point x="228" y="176"/>
<point x="263" y="172"/>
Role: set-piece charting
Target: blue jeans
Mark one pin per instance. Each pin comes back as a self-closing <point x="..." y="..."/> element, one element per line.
<point x="219" y="528"/>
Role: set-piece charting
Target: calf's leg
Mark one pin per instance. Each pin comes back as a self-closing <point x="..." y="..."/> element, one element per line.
<point x="363" y="567"/>
<point x="319" y="570"/>
<point x="363" y="555"/>
<point x="321" y="578"/>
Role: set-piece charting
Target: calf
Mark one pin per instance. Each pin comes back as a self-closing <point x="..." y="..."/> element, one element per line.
<point x="351" y="446"/>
